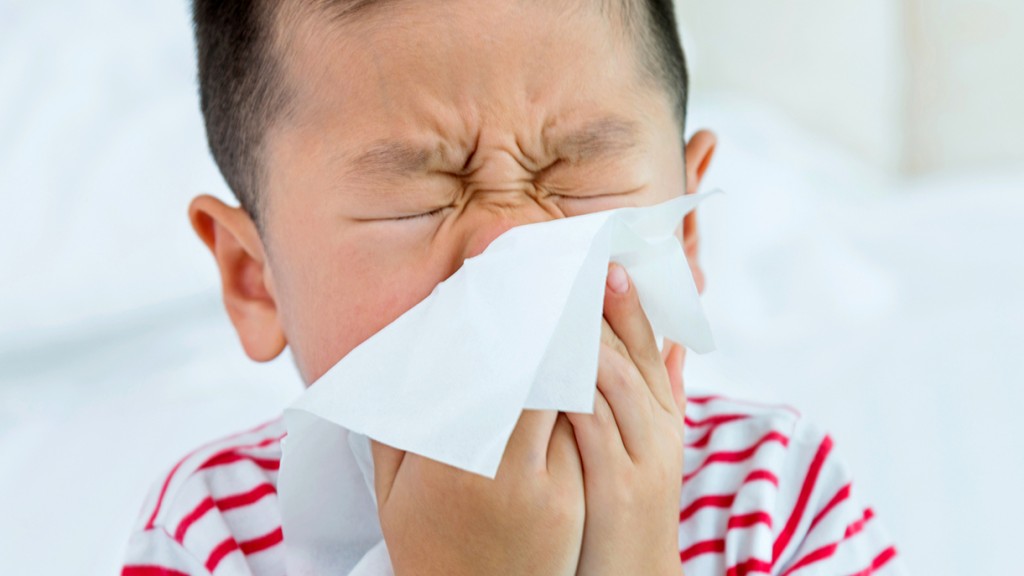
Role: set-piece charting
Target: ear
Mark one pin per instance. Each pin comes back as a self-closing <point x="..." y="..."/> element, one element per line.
<point x="246" y="280"/>
<point x="698" y="153"/>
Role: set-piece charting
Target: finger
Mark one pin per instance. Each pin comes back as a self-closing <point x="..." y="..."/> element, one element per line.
<point x="627" y="319"/>
<point x="528" y="445"/>
<point x="564" y="460"/>
<point x="597" y="436"/>
<point x="610" y="339"/>
<point x="631" y="404"/>
<point x="386" y="462"/>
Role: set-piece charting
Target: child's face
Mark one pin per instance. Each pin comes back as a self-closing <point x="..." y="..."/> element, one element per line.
<point x="477" y="115"/>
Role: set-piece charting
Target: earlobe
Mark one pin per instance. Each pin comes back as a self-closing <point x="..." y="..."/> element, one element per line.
<point x="246" y="280"/>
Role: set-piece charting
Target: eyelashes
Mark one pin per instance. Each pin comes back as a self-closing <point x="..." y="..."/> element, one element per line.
<point x="425" y="215"/>
<point x="437" y="212"/>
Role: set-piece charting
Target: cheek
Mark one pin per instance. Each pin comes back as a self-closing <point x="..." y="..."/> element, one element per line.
<point x="338" y="299"/>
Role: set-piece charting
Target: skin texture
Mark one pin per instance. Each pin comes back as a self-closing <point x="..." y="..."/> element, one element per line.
<point x="498" y="94"/>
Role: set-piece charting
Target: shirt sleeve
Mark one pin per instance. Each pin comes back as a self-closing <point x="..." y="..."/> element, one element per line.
<point x="827" y="529"/>
<point x="154" y="553"/>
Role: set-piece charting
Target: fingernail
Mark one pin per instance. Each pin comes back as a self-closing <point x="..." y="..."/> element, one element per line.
<point x="618" y="281"/>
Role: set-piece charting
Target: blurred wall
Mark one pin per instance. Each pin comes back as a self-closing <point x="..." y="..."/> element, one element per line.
<point x="966" y="83"/>
<point x="911" y="87"/>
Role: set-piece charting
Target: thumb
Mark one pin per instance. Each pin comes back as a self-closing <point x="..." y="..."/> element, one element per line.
<point x="386" y="461"/>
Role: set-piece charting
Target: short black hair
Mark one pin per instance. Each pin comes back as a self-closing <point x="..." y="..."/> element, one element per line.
<point x="241" y="89"/>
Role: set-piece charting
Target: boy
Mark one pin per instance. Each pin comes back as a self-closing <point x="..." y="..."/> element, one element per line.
<point x="374" y="145"/>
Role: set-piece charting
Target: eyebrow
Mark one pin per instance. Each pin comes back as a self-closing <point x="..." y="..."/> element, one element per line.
<point x="339" y="10"/>
<point x="399" y="157"/>
<point x="593" y="140"/>
<point x="599" y="139"/>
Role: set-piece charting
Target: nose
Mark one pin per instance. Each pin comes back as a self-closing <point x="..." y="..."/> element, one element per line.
<point x="493" y="217"/>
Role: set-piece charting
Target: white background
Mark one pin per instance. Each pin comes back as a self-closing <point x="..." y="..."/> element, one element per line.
<point x="886" y="308"/>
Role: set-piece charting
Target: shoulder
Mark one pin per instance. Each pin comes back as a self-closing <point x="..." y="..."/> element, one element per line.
<point x="764" y="489"/>
<point x="216" y="506"/>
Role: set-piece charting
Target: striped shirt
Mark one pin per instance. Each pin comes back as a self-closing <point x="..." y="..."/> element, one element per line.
<point x="763" y="492"/>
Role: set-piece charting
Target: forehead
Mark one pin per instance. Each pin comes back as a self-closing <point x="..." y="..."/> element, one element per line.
<point x="357" y="12"/>
<point x="410" y="58"/>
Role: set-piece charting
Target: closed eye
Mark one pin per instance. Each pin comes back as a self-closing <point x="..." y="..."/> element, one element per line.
<point x="598" y="196"/>
<point x="431" y="214"/>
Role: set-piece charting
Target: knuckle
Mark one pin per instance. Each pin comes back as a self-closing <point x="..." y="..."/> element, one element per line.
<point x="611" y="339"/>
<point x="621" y="371"/>
<point x="625" y="374"/>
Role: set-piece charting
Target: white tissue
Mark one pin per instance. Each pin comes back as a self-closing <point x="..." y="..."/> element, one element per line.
<point x="516" y="327"/>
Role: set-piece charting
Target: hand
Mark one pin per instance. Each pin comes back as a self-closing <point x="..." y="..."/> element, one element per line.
<point x="632" y="446"/>
<point x="437" y="519"/>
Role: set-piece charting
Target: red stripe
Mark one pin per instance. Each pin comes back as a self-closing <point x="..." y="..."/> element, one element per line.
<point x="218" y="553"/>
<point x="748" y="566"/>
<point x="762" y="475"/>
<point x="247" y="498"/>
<point x="717" y="547"/>
<point x="746" y="520"/>
<point x="724" y="500"/>
<point x="857" y="526"/>
<point x="812" y="557"/>
<point x="163" y="489"/>
<point x="223" y="549"/>
<point x="702" y="442"/>
<point x="150" y="571"/>
<point x="262" y="543"/>
<point x="205" y="506"/>
<point x="717" y="501"/>
<point x="702" y="399"/>
<point x="801" y="503"/>
<point x="715" y="420"/>
<point x="739" y="456"/>
<point x="232" y="457"/>
<point x="247" y="547"/>
<point x="174" y="470"/>
<point x="878" y="562"/>
<point x="223" y="504"/>
<point x="828" y="550"/>
<point x="705" y="547"/>
<point x="237" y="450"/>
<point x="840" y="496"/>
<point x="713" y="423"/>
